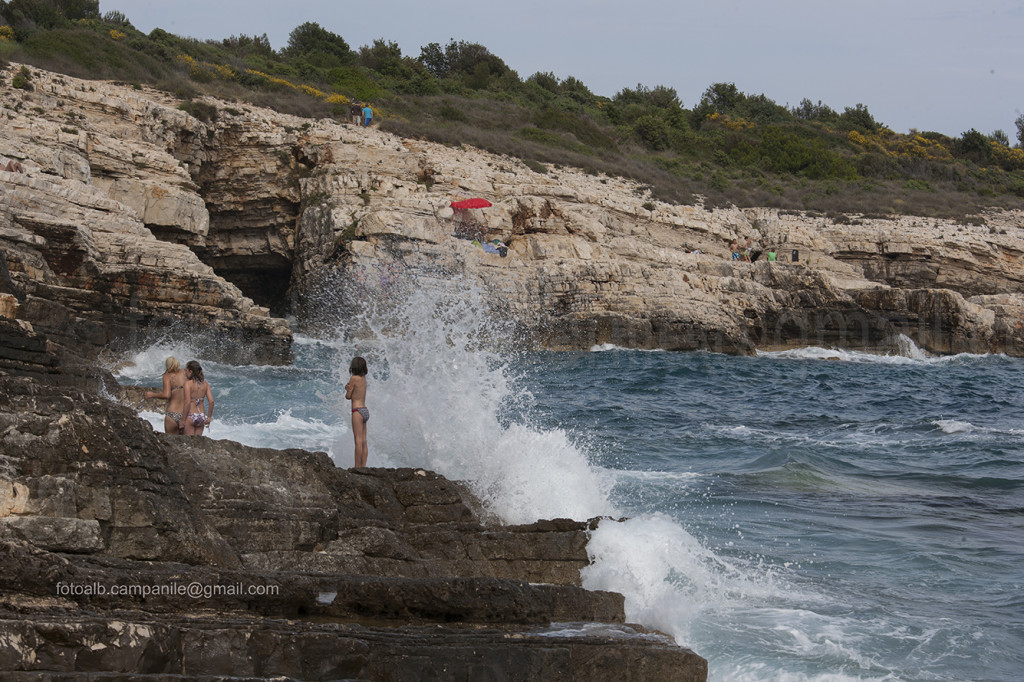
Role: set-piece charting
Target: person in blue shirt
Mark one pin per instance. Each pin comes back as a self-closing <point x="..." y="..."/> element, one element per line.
<point x="367" y="115"/>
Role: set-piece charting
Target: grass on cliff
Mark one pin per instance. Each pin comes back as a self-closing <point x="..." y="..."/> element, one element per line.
<point x="731" y="148"/>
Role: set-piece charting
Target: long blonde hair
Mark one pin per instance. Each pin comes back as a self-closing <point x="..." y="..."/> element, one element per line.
<point x="171" y="364"/>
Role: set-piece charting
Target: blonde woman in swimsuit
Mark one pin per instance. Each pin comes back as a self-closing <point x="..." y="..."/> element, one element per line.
<point x="174" y="394"/>
<point x="355" y="390"/>
<point x="197" y="389"/>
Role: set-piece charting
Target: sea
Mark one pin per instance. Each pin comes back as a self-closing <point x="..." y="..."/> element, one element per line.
<point x="808" y="515"/>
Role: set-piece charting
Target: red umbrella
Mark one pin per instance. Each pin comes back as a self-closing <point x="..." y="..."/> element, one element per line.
<point x="471" y="203"/>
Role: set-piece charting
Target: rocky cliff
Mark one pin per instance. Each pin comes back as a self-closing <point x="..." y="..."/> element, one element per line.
<point x="131" y="555"/>
<point x="134" y="215"/>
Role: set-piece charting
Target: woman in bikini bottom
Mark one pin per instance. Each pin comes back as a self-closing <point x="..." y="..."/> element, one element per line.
<point x="365" y="412"/>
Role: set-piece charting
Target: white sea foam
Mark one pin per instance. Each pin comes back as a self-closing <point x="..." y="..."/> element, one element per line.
<point x="605" y="347"/>
<point x="954" y="426"/>
<point x="907" y="353"/>
<point x="283" y="432"/>
<point x="668" y="578"/>
<point x="436" y="392"/>
<point x="148" y="365"/>
<point x="440" y="392"/>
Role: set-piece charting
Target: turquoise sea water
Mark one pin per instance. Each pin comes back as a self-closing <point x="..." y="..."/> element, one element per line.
<point x="809" y="515"/>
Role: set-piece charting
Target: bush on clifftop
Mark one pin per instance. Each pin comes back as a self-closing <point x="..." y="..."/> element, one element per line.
<point x="729" y="148"/>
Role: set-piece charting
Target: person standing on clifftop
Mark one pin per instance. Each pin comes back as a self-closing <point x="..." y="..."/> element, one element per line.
<point x="367" y="115"/>
<point x="355" y="390"/>
<point x="356" y="112"/>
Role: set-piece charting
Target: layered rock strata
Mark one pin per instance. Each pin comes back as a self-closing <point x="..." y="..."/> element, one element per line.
<point x="107" y="170"/>
<point x="127" y="554"/>
<point x="124" y="190"/>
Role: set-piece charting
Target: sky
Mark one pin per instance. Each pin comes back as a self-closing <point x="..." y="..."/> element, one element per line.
<point x="930" y="65"/>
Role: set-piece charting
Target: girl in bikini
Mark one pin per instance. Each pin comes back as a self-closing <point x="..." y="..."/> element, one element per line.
<point x="196" y="390"/>
<point x="174" y="394"/>
<point x="355" y="390"/>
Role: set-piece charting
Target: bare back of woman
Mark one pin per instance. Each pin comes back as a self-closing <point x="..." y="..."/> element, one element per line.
<point x="197" y="389"/>
<point x="174" y="393"/>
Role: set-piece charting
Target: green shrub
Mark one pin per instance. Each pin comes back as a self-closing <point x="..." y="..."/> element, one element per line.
<point x="582" y="129"/>
<point x="451" y="113"/>
<point x="652" y="132"/>
<point x="86" y="54"/>
<point x="860" y="118"/>
<point x="354" y="81"/>
<point x="23" y="79"/>
<point x="731" y="148"/>
<point x="201" y="110"/>
<point x="318" y="47"/>
<point x="536" y="166"/>
<point x="974" y="146"/>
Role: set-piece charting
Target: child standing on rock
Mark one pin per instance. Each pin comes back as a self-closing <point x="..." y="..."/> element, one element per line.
<point x="355" y="390"/>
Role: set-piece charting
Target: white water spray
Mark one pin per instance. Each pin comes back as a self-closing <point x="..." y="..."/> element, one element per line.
<point x="438" y="392"/>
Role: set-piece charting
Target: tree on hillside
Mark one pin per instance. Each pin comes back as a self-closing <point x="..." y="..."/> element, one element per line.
<point x="247" y="46"/>
<point x="576" y="90"/>
<point x="809" y="111"/>
<point x="659" y="96"/>
<point x="974" y="146"/>
<point x="318" y="47"/>
<point x="117" y="18"/>
<point x="859" y="117"/>
<point x="471" y="62"/>
<point x="571" y="88"/>
<point x="1020" y="130"/>
<point x="655" y="116"/>
<point x="403" y="74"/>
<point x="719" y="98"/>
<point x="727" y="100"/>
<point x="26" y="16"/>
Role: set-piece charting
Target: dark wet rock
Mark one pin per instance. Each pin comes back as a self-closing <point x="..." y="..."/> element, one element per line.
<point x="127" y="554"/>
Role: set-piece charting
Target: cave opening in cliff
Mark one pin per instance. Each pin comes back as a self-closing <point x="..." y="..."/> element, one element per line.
<point x="267" y="287"/>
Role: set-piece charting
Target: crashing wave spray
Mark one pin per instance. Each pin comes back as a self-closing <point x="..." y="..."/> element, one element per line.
<point x="441" y="389"/>
<point x="444" y="395"/>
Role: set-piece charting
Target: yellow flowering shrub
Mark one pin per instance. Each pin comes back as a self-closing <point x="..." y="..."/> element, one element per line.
<point x="311" y="91"/>
<point x="1008" y="158"/>
<point x="205" y="71"/>
<point x="117" y="35"/>
<point x="305" y="89"/>
<point x="920" y="147"/>
<point x="271" y="80"/>
<point x="870" y="141"/>
<point x="6" y="34"/>
<point x="730" y="123"/>
<point x="223" y="71"/>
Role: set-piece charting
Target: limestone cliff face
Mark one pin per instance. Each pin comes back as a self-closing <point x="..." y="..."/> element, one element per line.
<point x="107" y="173"/>
<point x="282" y="207"/>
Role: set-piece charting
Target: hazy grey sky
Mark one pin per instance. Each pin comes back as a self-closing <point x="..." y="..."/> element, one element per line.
<point x="942" y="65"/>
